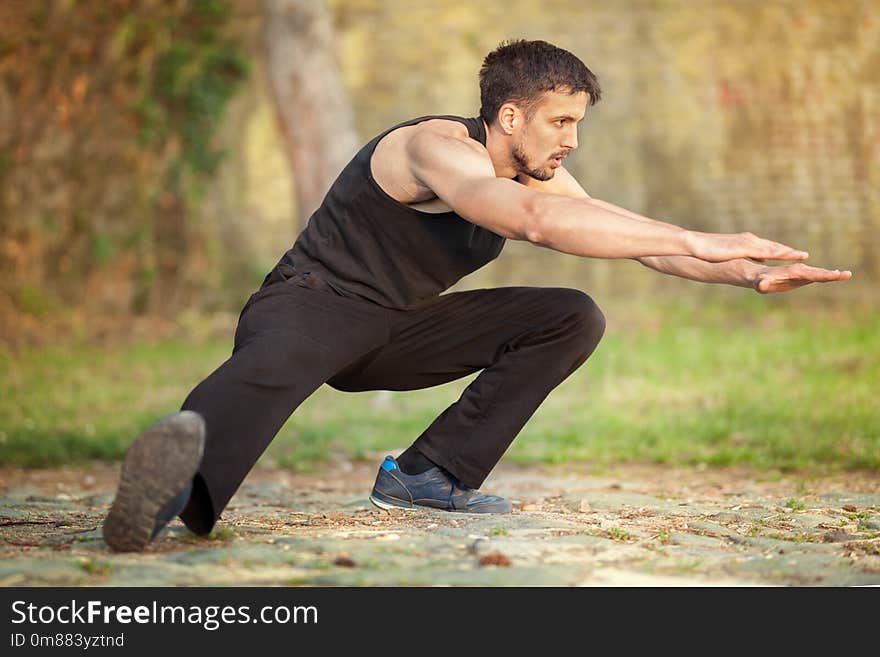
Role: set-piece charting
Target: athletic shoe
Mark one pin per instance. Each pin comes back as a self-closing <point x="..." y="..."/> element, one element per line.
<point x="432" y="489"/>
<point x="156" y="481"/>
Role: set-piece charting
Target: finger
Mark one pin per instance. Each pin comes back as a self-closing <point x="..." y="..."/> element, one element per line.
<point x="778" y="251"/>
<point x="827" y="275"/>
<point x="787" y="253"/>
<point x="815" y="274"/>
<point x="840" y="276"/>
<point x="802" y="271"/>
<point x="781" y="282"/>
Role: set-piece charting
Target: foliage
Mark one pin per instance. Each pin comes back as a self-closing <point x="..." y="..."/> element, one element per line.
<point x="114" y="110"/>
<point x="740" y="116"/>
<point x="193" y="79"/>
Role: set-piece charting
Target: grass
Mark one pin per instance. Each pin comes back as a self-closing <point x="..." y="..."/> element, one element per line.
<point x="94" y="567"/>
<point x="770" y="387"/>
<point x="222" y="534"/>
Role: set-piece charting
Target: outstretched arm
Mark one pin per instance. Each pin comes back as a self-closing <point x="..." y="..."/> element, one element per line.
<point x="745" y="273"/>
<point x="741" y="272"/>
<point x="460" y="173"/>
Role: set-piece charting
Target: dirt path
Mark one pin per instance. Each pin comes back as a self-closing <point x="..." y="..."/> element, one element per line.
<point x="628" y="525"/>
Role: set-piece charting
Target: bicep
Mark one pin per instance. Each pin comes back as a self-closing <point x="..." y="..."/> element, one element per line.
<point x="461" y="174"/>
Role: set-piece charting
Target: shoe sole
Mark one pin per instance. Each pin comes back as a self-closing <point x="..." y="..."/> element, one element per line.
<point x="388" y="506"/>
<point x="157" y="467"/>
<point x="407" y="506"/>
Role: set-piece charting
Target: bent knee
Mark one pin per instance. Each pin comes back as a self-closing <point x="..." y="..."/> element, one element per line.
<point x="583" y="319"/>
<point x="581" y="307"/>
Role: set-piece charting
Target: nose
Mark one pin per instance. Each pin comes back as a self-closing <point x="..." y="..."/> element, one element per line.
<point x="570" y="140"/>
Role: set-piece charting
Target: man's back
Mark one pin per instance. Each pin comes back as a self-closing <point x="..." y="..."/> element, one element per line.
<point x="364" y="243"/>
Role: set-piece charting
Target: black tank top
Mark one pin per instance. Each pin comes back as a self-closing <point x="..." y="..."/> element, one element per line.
<point x="365" y="244"/>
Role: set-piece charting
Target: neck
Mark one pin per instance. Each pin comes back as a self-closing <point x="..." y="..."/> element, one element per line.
<point x="498" y="145"/>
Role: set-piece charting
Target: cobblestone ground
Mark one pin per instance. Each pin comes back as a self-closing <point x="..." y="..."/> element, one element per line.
<point x="627" y="525"/>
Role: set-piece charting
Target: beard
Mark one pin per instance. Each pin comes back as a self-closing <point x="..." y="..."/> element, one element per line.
<point x="522" y="166"/>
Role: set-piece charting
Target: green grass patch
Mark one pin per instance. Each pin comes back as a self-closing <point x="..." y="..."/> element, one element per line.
<point x="775" y="388"/>
<point x="62" y="405"/>
<point x="95" y="567"/>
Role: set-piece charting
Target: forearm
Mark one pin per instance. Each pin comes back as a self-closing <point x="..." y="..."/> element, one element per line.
<point x="741" y="272"/>
<point x="629" y="213"/>
<point x="738" y="272"/>
<point x="587" y="227"/>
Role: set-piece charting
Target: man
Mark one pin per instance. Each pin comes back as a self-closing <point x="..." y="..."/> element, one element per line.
<point x="356" y="301"/>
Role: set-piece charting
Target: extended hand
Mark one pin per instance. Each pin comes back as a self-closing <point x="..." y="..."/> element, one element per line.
<point x="789" y="277"/>
<point x="719" y="247"/>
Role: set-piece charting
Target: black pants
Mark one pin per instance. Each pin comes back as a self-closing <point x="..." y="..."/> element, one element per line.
<point x="295" y="334"/>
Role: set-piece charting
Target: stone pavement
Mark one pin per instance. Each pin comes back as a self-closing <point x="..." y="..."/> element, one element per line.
<point x="629" y="525"/>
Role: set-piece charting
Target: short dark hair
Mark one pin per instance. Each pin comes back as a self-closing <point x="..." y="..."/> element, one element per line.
<point x="520" y="71"/>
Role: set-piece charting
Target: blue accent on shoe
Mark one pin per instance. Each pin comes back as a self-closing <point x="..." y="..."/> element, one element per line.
<point x="432" y="489"/>
<point x="155" y="482"/>
<point x="172" y="509"/>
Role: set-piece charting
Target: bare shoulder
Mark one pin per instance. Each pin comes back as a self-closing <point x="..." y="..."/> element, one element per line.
<point x="427" y="137"/>
<point x="445" y="127"/>
<point x="399" y="154"/>
<point x="398" y="140"/>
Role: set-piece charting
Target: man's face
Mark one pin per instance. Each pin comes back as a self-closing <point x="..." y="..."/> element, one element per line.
<point x="549" y="135"/>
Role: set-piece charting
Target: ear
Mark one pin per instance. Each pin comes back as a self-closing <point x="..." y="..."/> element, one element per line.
<point x="509" y="117"/>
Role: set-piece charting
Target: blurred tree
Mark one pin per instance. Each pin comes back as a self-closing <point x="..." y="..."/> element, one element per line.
<point x="111" y="116"/>
<point x="313" y="107"/>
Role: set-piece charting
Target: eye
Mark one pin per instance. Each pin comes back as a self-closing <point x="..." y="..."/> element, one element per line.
<point x="559" y="123"/>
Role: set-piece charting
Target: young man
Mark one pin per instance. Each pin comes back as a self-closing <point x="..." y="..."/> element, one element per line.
<point x="356" y="302"/>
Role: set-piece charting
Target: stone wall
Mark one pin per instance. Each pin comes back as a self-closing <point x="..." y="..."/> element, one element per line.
<point x="723" y="116"/>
